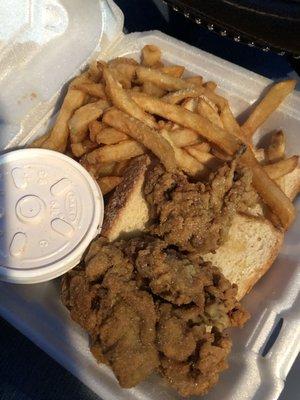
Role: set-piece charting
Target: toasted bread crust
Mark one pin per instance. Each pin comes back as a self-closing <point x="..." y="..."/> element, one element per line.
<point x="117" y="206"/>
<point x="128" y="199"/>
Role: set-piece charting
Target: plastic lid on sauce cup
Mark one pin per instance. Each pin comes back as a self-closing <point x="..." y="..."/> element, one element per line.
<point x="50" y="210"/>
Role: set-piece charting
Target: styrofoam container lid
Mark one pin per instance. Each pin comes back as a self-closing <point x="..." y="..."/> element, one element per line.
<point x="50" y="210"/>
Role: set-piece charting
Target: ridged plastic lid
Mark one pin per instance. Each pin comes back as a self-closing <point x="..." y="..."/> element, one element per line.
<point x="50" y="210"/>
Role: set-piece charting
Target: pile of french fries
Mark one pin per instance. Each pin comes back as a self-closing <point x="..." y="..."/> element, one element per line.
<point x="121" y="109"/>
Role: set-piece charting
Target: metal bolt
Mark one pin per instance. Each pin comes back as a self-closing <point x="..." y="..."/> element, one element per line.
<point x="237" y="38"/>
<point x="198" y="21"/>
<point x="251" y="44"/>
<point x="266" y="49"/>
<point x="210" y="27"/>
<point x="223" y="33"/>
<point x="187" y="15"/>
<point x="175" y="9"/>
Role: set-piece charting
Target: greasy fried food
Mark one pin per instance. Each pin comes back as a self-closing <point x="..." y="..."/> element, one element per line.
<point x="116" y="152"/>
<point x="184" y="161"/>
<point x="121" y="100"/>
<point x="276" y="150"/>
<point x="150" y="55"/>
<point x="79" y="149"/>
<point x="92" y="89"/>
<point x="281" y="167"/>
<point x="197" y="216"/>
<point x="195" y="80"/>
<point x="152" y="89"/>
<point x="203" y="157"/>
<point x="40" y="140"/>
<point x="184" y="137"/>
<point x="111" y="136"/>
<point x="59" y="134"/>
<point x="150" y="138"/>
<point x="271" y="193"/>
<point x="267" y="105"/>
<point x="190" y="120"/>
<point x="173" y="70"/>
<point x="79" y="122"/>
<point x="138" y="321"/>
<point x="207" y="111"/>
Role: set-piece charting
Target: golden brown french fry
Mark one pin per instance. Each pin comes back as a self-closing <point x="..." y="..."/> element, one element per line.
<point x="116" y="152"/>
<point x="150" y="138"/>
<point x="171" y="83"/>
<point x="184" y="137"/>
<point x="230" y="124"/>
<point x="164" y="81"/>
<point x="204" y="158"/>
<point x="276" y="150"/>
<point x="120" y="168"/>
<point x="92" y="89"/>
<point x="173" y="70"/>
<point x="122" y="60"/>
<point x="111" y="136"/>
<point x="184" y="161"/>
<point x="265" y="186"/>
<point x="150" y="55"/>
<point x="168" y="125"/>
<point x="40" y="140"/>
<point x="80" y="79"/>
<point x="188" y="119"/>
<point x="121" y="100"/>
<point x="182" y="94"/>
<point x="259" y="155"/>
<point x="60" y="132"/>
<point x="91" y="168"/>
<point x="152" y="89"/>
<point x="189" y="164"/>
<point x="267" y="105"/>
<point x="190" y="104"/>
<point x="158" y="65"/>
<point x="204" y="147"/>
<point x="106" y="169"/>
<point x="282" y="167"/>
<point x="210" y="85"/>
<point x="79" y="122"/>
<point x="270" y="192"/>
<point x="108" y="183"/>
<point x="195" y="80"/>
<point x="79" y="149"/>
<point x="100" y="65"/>
<point x="95" y="127"/>
<point x="97" y="170"/>
<point x="208" y="112"/>
<point x="124" y="73"/>
<point x="93" y="71"/>
<point x="215" y="101"/>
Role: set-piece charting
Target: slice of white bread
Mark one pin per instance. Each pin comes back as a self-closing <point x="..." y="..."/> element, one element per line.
<point x="253" y="242"/>
<point x="126" y="213"/>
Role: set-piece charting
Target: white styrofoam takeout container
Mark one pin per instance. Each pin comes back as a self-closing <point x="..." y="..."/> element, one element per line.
<point x="43" y="46"/>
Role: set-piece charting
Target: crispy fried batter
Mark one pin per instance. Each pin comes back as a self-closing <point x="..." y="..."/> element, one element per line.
<point x="148" y="306"/>
<point x="197" y="216"/>
<point x="119" y="317"/>
<point x="198" y="374"/>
